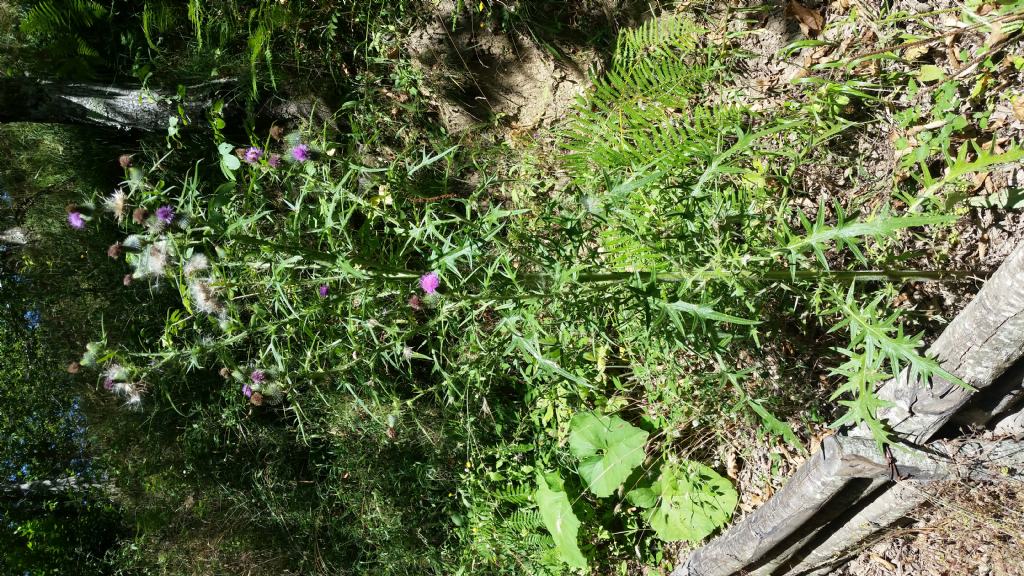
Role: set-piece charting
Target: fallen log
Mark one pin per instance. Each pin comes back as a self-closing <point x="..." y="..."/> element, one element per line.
<point x="840" y="462"/>
<point x="978" y="346"/>
<point x="971" y="460"/>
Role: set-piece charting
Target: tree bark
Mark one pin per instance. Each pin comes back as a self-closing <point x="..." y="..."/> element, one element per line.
<point x="24" y="99"/>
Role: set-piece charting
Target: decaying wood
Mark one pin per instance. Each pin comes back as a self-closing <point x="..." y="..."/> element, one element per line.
<point x="978" y="346"/>
<point x="892" y="504"/>
<point x="999" y="399"/>
<point x="785" y="520"/>
<point x="1012" y="425"/>
<point x="783" y="553"/>
<point x="24" y="99"/>
<point x="973" y="460"/>
<point x="813" y="486"/>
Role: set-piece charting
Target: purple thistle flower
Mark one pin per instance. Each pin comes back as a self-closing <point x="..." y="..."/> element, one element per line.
<point x="247" y="391"/>
<point x="108" y="383"/>
<point x="165" y="214"/>
<point x="430" y="282"/>
<point x="274" y="161"/>
<point x="258" y="376"/>
<point x="75" y="220"/>
<point x="323" y="290"/>
<point x="253" y="155"/>
<point x="301" y="153"/>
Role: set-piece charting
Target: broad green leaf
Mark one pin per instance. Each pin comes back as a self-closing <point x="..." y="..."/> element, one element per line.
<point x="609" y="448"/>
<point x="695" y="501"/>
<point x="559" y="519"/>
<point x="644" y="496"/>
<point x="231" y="162"/>
<point x="228" y="161"/>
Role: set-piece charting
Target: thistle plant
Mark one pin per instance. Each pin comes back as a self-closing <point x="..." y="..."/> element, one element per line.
<point x="573" y="339"/>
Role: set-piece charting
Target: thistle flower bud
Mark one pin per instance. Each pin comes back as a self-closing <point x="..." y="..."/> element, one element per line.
<point x="139" y="215"/>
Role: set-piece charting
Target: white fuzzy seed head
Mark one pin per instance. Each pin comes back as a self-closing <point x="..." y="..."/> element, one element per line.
<point x="205" y="297"/>
<point x="196" y="264"/>
<point x="117" y="204"/>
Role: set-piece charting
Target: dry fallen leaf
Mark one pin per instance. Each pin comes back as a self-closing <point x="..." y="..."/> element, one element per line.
<point x="997" y="36"/>
<point x="915" y="52"/>
<point x="1018" y="108"/>
<point x="810" y="21"/>
<point x="732" y="468"/>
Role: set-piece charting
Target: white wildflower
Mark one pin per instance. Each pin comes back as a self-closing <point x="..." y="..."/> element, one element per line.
<point x="115" y="372"/>
<point x="134" y="402"/>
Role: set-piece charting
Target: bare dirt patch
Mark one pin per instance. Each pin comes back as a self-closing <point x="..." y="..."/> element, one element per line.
<point x="476" y="76"/>
<point x="963" y="530"/>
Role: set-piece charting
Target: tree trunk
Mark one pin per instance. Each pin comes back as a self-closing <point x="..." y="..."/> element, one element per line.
<point x="35" y="100"/>
<point x="15" y="236"/>
<point x="130" y="108"/>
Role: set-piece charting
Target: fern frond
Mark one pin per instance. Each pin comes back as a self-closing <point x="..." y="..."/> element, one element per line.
<point x="649" y="105"/>
<point x="657" y="38"/>
<point x="521" y="494"/>
<point x="49" y="18"/>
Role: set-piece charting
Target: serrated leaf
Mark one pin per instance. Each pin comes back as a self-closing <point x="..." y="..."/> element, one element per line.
<point x="695" y="501"/>
<point x="559" y="519"/>
<point x="708" y="313"/>
<point x="609" y="448"/>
